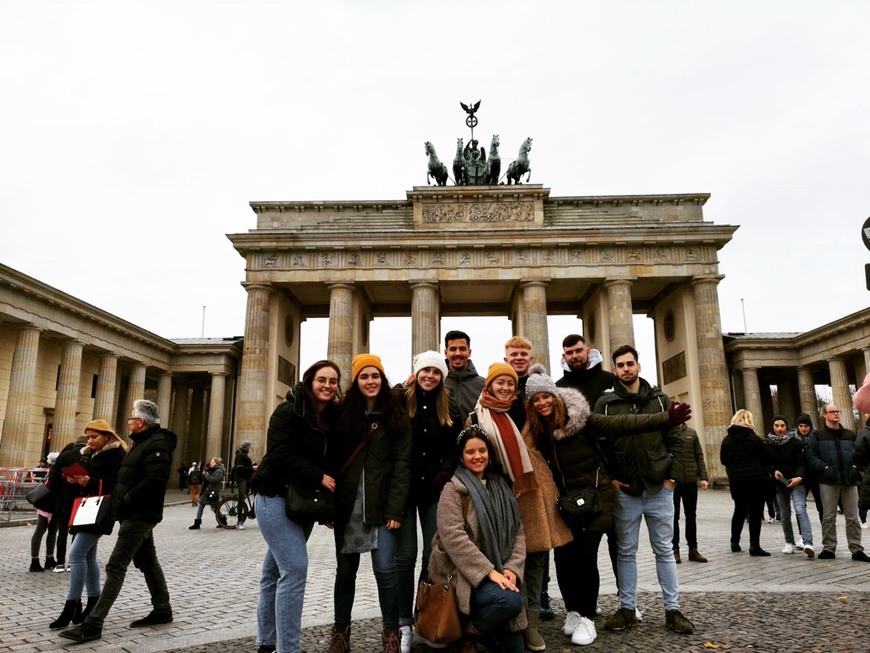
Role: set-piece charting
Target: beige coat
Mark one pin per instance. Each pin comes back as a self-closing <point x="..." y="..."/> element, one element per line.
<point x="456" y="552"/>
<point x="545" y="529"/>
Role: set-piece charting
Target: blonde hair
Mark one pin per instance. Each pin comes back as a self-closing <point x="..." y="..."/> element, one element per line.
<point x="743" y="416"/>
<point x="518" y="342"/>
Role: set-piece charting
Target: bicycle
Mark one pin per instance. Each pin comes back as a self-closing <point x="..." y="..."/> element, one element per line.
<point x="227" y="510"/>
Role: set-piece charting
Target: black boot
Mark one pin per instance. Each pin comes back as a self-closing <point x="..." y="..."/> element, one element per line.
<point x="50" y="562"/>
<point x="72" y="610"/>
<point x="545" y="611"/>
<point x="92" y="601"/>
<point x="756" y="550"/>
<point x="735" y="546"/>
<point x="195" y="527"/>
<point x="34" y="565"/>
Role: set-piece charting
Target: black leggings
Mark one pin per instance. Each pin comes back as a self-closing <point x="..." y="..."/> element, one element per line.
<point x="43" y="524"/>
<point x="751" y="503"/>
<point x="577" y="572"/>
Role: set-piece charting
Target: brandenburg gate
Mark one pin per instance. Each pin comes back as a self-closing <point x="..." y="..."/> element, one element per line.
<point x="475" y="250"/>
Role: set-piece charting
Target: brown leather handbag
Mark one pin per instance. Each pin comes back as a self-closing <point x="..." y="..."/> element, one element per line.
<point x="437" y="613"/>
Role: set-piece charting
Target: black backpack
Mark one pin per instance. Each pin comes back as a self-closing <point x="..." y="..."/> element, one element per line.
<point x="195" y="477"/>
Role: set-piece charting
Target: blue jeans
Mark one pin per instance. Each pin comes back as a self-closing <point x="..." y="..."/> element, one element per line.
<point x="283" y="577"/>
<point x="83" y="566"/>
<point x="384" y="567"/>
<point x="798" y="496"/>
<point x="135" y="544"/>
<point x="406" y="556"/>
<point x="492" y="609"/>
<point x="658" y="511"/>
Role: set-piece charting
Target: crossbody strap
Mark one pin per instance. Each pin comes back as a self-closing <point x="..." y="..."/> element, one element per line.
<point x="359" y="447"/>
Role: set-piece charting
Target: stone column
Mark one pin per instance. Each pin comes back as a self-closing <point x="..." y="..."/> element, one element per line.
<point x="16" y="427"/>
<point x="807" y="391"/>
<point x="164" y="399"/>
<point x="339" y="348"/>
<point x="216" y="416"/>
<point x="67" y="399"/>
<point x="425" y="317"/>
<point x="198" y="443"/>
<point x="752" y="397"/>
<point x="535" y="320"/>
<point x="840" y="387"/>
<point x="866" y="351"/>
<point x="252" y="385"/>
<point x="179" y="422"/>
<point x="136" y="388"/>
<point x="104" y="402"/>
<point x="715" y="396"/>
<point x="619" y="313"/>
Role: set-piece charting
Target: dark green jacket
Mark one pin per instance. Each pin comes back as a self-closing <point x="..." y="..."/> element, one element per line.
<point x="643" y="461"/>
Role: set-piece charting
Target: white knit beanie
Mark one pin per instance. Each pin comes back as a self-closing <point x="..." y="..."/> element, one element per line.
<point x="430" y="359"/>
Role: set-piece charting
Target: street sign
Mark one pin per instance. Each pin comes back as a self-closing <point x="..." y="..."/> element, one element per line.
<point x="867" y="274"/>
<point x="865" y="233"/>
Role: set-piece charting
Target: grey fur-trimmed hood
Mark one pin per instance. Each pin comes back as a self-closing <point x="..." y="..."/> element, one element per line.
<point x="578" y="411"/>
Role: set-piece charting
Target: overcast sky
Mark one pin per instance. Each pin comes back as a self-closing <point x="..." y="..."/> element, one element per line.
<point x="134" y="135"/>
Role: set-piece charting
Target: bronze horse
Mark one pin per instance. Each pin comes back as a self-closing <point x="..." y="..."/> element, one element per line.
<point x="494" y="162"/>
<point x="437" y="170"/>
<point x="521" y="165"/>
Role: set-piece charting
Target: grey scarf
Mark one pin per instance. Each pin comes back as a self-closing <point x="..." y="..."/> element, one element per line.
<point x="497" y="514"/>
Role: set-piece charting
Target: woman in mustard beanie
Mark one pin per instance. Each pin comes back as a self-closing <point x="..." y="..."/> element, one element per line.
<point x="374" y="463"/>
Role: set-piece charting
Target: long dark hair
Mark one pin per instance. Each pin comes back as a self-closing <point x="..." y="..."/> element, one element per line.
<point x="328" y="413"/>
<point x="353" y="409"/>
<point x="476" y="432"/>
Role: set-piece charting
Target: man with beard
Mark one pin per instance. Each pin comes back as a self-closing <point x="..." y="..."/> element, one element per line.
<point x="584" y="369"/>
<point x="643" y="469"/>
<point x="464" y="382"/>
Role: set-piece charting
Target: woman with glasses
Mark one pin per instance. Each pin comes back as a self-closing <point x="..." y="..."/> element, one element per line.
<point x="299" y="440"/>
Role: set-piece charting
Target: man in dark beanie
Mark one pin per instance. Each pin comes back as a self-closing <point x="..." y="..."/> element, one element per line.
<point x="787" y="454"/>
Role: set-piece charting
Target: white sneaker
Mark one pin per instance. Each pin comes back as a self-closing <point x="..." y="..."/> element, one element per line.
<point x="638" y="614"/>
<point x="59" y="569"/>
<point x="809" y="550"/>
<point x="799" y="545"/>
<point x="405" y="638"/>
<point x="788" y="548"/>
<point x="864" y="525"/>
<point x="572" y="620"/>
<point x="240" y="526"/>
<point x="585" y="633"/>
<point x="598" y="609"/>
<point x="770" y="520"/>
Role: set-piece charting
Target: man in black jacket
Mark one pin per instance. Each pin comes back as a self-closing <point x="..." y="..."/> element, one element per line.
<point x="584" y="370"/>
<point x="137" y="503"/>
<point x="243" y="472"/>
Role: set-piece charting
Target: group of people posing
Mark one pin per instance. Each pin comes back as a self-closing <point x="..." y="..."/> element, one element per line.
<point x="828" y="461"/>
<point x="480" y="462"/>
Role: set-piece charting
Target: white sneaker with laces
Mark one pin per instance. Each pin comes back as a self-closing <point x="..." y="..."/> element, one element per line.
<point x="809" y="550"/>
<point x="788" y="548"/>
<point x="585" y="633"/>
<point x="572" y="620"/>
<point x="405" y="638"/>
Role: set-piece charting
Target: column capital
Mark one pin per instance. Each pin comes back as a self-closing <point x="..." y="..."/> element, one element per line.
<point x="252" y="285"/>
<point x="626" y="281"/>
<point x="423" y="284"/>
<point x="220" y="373"/>
<point x="526" y="283"/>
<point x="714" y="279"/>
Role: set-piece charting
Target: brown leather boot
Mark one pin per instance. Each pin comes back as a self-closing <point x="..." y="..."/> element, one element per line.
<point x="391" y="640"/>
<point x="694" y="556"/>
<point x="677" y="554"/>
<point x="340" y="640"/>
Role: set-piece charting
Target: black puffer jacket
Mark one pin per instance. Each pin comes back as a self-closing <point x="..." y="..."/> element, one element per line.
<point x="432" y="446"/>
<point x="141" y="484"/>
<point x="297" y="449"/>
<point x="787" y="457"/>
<point x="746" y="460"/>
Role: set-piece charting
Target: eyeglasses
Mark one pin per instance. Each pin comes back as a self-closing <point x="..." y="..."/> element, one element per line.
<point x="833" y="411"/>
<point x="322" y="380"/>
<point x="130" y="419"/>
